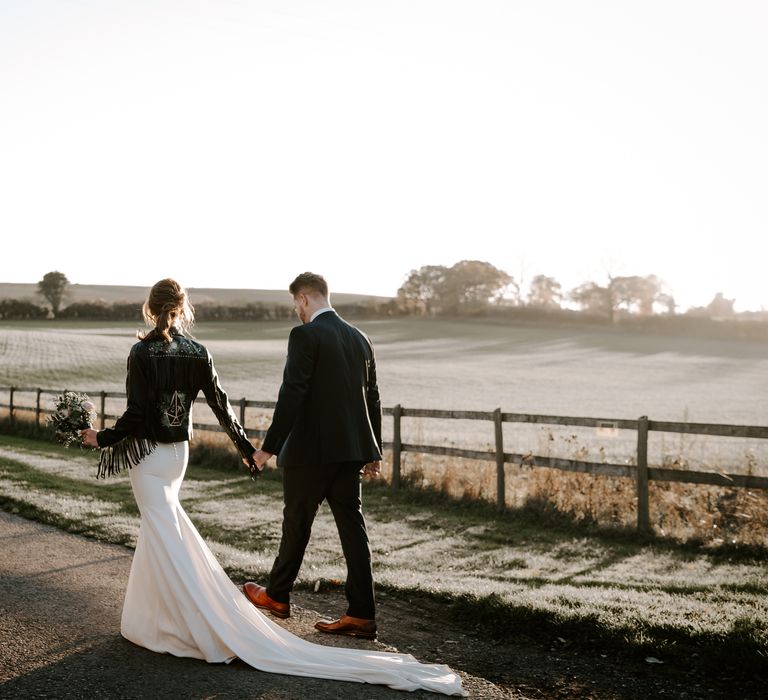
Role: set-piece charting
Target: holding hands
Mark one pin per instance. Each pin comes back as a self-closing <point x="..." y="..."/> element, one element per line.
<point x="259" y="459"/>
<point x="256" y="462"/>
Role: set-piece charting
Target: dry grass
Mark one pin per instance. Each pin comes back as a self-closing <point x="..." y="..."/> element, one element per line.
<point x="711" y="515"/>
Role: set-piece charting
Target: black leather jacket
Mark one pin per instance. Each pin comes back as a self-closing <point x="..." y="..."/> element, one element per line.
<point x="162" y="382"/>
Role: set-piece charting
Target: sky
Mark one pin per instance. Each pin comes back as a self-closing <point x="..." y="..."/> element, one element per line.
<point x="236" y="143"/>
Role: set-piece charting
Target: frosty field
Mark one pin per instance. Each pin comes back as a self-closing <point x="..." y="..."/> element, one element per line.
<point x="474" y="365"/>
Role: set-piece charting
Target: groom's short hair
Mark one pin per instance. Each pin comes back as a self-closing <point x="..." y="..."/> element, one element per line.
<point x="309" y="282"/>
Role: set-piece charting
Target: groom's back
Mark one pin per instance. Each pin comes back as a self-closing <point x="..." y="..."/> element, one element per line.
<point x="344" y="354"/>
<point x="334" y="422"/>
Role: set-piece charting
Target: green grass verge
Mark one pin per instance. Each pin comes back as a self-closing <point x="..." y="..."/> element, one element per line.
<point x="522" y="574"/>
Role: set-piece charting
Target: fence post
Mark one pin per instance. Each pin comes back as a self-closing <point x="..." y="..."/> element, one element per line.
<point x="501" y="497"/>
<point x="103" y="420"/>
<point x="10" y="406"/>
<point x="37" y="408"/>
<point x="397" y="412"/>
<point x="643" y="518"/>
<point x="242" y="411"/>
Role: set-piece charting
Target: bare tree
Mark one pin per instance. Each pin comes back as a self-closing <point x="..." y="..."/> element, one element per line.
<point x="53" y="288"/>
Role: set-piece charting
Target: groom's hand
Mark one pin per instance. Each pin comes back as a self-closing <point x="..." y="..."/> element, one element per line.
<point x="372" y="468"/>
<point x="261" y="458"/>
<point x="258" y="459"/>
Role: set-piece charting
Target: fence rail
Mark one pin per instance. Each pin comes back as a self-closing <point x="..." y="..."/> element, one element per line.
<point x="640" y="472"/>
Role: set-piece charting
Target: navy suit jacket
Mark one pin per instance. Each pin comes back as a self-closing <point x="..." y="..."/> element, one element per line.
<point x="328" y="409"/>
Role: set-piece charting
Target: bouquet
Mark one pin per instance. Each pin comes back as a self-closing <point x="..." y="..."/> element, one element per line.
<point x="72" y="413"/>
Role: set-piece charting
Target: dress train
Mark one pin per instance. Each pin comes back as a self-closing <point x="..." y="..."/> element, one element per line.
<point x="180" y="601"/>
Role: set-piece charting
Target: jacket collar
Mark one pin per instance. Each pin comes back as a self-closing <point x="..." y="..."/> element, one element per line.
<point x="320" y="311"/>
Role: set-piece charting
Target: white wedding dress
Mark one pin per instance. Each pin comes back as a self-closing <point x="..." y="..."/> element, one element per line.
<point x="180" y="601"/>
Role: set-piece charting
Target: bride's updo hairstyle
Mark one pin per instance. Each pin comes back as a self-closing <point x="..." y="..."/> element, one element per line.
<point x="167" y="306"/>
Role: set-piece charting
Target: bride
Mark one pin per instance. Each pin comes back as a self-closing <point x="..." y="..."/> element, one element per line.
<point x="179" y="600"/>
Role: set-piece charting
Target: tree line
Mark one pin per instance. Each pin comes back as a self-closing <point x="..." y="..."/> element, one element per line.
<point x="471" y="286"/>
<point x="468" y="288"/>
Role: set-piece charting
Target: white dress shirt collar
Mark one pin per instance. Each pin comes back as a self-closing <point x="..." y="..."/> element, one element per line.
<point x="320" y="311"/>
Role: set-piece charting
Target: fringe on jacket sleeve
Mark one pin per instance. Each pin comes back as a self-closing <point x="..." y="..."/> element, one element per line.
<point x="125" y="454"/>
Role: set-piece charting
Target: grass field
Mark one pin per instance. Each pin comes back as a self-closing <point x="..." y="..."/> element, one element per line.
<point x="517" y="572"/>
<point x="480" y="365"/>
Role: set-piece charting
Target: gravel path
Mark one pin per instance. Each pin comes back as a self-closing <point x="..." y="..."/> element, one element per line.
<point x="60" y="602"/>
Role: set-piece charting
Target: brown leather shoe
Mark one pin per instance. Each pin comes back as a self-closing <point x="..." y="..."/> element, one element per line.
<point x="350" y="626"/>
<point x="258" y="596"/>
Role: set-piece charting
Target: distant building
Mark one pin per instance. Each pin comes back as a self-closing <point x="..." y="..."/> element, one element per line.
<point x="720" y="306"/>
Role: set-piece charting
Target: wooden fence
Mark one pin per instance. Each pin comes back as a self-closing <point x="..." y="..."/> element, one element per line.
<point x="640" y="472"/>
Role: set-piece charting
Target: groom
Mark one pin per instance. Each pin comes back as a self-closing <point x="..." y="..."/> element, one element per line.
<point x="326" y="431"/>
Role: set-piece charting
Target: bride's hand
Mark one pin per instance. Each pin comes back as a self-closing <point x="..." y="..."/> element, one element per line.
<point x="257" y="461"/>
<point x="89" y="437"/>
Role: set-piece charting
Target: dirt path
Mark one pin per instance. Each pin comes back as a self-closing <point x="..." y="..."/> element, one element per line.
<point x="60" y="602"/>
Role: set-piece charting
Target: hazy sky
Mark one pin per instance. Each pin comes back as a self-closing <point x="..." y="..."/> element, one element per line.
<point x="236" y="143"/>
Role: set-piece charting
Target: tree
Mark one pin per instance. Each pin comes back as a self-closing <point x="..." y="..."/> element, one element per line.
<point x="667" y="301"/>
<point x="420" y="291"/>
<point x="642" y="295"/>
<point x="649" y="293"/>
<point x="53" y="287"/>
<point x="545" y="292"/>
<point x="635" y="294"/>
<point x="632" y="294"/>
<point x="593" y="298"/>
<point x="470" y="285"/>
<point x="466" y="287"/>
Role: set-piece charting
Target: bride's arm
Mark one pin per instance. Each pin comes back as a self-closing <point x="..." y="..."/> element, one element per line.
<point x="217" y="399"/>
<point x="137" y="389"/>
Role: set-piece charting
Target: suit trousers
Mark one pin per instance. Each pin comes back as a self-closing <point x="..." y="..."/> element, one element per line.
<point x="304" y="489"/>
